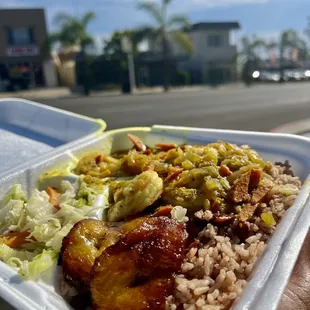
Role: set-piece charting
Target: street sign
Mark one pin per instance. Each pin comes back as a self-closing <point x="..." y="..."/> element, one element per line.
<point x="17" y="51"/>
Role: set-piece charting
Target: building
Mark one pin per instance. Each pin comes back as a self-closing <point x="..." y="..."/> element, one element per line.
<point x="23" y="34"/>
<point x="214" y="59"/>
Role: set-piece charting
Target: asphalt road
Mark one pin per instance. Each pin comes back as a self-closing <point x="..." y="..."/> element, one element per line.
<point x="260" y="108"/>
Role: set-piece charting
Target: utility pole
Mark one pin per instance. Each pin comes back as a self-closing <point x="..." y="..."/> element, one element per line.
<point x="128" y="49"/>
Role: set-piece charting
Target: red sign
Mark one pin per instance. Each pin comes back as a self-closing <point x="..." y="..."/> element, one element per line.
<point x="18" y="51"/>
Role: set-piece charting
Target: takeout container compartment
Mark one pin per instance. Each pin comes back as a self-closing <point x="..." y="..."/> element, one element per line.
<point x="28" y="129"/>
<point x="273" y="269"/>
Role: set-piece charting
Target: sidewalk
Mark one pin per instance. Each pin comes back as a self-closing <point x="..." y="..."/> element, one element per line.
<point x="301" y="127"/>
<point x="64" y="92"/>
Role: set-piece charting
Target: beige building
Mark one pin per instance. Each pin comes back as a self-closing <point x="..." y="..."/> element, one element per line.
<point x="23" y="34"/>
<point x="214" y="58"/>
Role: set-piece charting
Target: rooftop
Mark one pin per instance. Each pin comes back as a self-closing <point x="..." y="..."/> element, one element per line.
<point x="20" y="9"/>
<point x="215" y="26"/>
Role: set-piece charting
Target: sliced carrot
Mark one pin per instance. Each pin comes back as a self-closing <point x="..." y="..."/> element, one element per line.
<point x="148" y="152"/>
<point x="173" y="173"/>
<point x="163" y="211"/>
<point x="54" y="197"/>
<point x="137" y="142"/>
<point x="99" y="159"/>
<point x="224" y="171"/>
<point x="15" y="239"/>
<point x="194" y="244"/>
<point x="166" y="147"/>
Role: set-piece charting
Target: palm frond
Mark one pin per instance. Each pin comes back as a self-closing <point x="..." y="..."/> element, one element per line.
<point x="87" y="41"/>
<point x="61" y="18"/>
<point x="258" y="43"/>
<point x="167" y="2"/>
<point x="145" y="32"/>
<point x="153" y="10"/>
<point x="290" y="38"/>
<point x="272" y="44"/>
<point x="178" y="21"/>
<point x="88" y="17"/>
<point x="183" y="41"/>
<point x="245" y="42"/>
<point x="48" y="44"/>
<point x="53" y="38"/>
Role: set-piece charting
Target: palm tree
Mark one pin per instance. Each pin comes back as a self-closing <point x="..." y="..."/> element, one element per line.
<point x="290" y="40"/>
<point x="73" y="31"/>
<point x="167" y="27"/>
<point x="307" y="30"/>
<point x="250" y="47"/>
<point x="271" y="46"/>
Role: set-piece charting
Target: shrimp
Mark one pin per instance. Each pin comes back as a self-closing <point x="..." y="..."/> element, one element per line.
<point x="134" y="196"/>
<point x="137" y="272"/>
<point x="84" y="243"/>
<point x="97" y="165"/>
<point x="136" y="162"/>
<point x="189" y="198"/>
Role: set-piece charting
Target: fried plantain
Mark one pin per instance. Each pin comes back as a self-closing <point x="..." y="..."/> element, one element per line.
<point x="84" y="243"/>
<point x="159" y="243"/>
<point x="137" y="272"/>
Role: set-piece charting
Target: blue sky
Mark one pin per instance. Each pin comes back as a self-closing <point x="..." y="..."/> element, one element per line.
<point x="263" y="17"/>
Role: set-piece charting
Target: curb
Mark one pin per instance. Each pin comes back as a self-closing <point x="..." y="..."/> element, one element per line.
<point x="301" y="127"/>
<point x="150" y="91"/>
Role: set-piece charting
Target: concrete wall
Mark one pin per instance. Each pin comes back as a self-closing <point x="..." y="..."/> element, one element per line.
<point x="50" y="74"/>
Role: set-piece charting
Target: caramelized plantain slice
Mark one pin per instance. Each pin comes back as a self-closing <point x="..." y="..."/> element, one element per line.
<point x="114" y="284"/>
<point x="84" y="243"/>
<point x="137" y="272"/>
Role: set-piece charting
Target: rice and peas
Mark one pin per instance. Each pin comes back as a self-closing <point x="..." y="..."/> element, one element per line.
<point x="232" y="197"/>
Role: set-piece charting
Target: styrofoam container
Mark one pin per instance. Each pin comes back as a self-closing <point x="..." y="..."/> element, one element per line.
<point x="28" y="129"/>
<point x="273" y="269"/>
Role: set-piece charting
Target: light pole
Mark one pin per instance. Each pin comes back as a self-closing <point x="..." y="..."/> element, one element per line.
<point x="127" y="48"/>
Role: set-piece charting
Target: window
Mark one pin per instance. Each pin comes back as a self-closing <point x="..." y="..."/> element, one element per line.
<point x="20" y="36"/>
<point x="215" y="40"/>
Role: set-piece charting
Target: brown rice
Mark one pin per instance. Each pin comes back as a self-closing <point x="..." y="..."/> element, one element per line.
<point x="216" y="270"/>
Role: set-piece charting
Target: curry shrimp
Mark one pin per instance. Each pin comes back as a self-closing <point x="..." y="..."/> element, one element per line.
<point x="133" y="196"/>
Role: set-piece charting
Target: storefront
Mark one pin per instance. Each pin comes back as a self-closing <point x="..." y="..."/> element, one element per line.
<point x="22" y="36"/>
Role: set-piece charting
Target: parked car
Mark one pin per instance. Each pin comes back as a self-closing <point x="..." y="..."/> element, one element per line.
<point x="289" y="75"/>
<point x="266" y="76"/>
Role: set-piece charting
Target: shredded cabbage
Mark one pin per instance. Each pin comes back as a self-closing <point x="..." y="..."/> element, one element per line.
<point x="47" y="225"/>
<point x="32" y="270"/>
<point x="56" y="242"/>
<point x="12" y="216"/>
<point x="179" y="213"/>
<point x="69" y="192"/>
<point x="29" y="264"/>
<point x="6" y="253"/>
<point x="15" y="193"/>
<point x="288" y="189"/>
